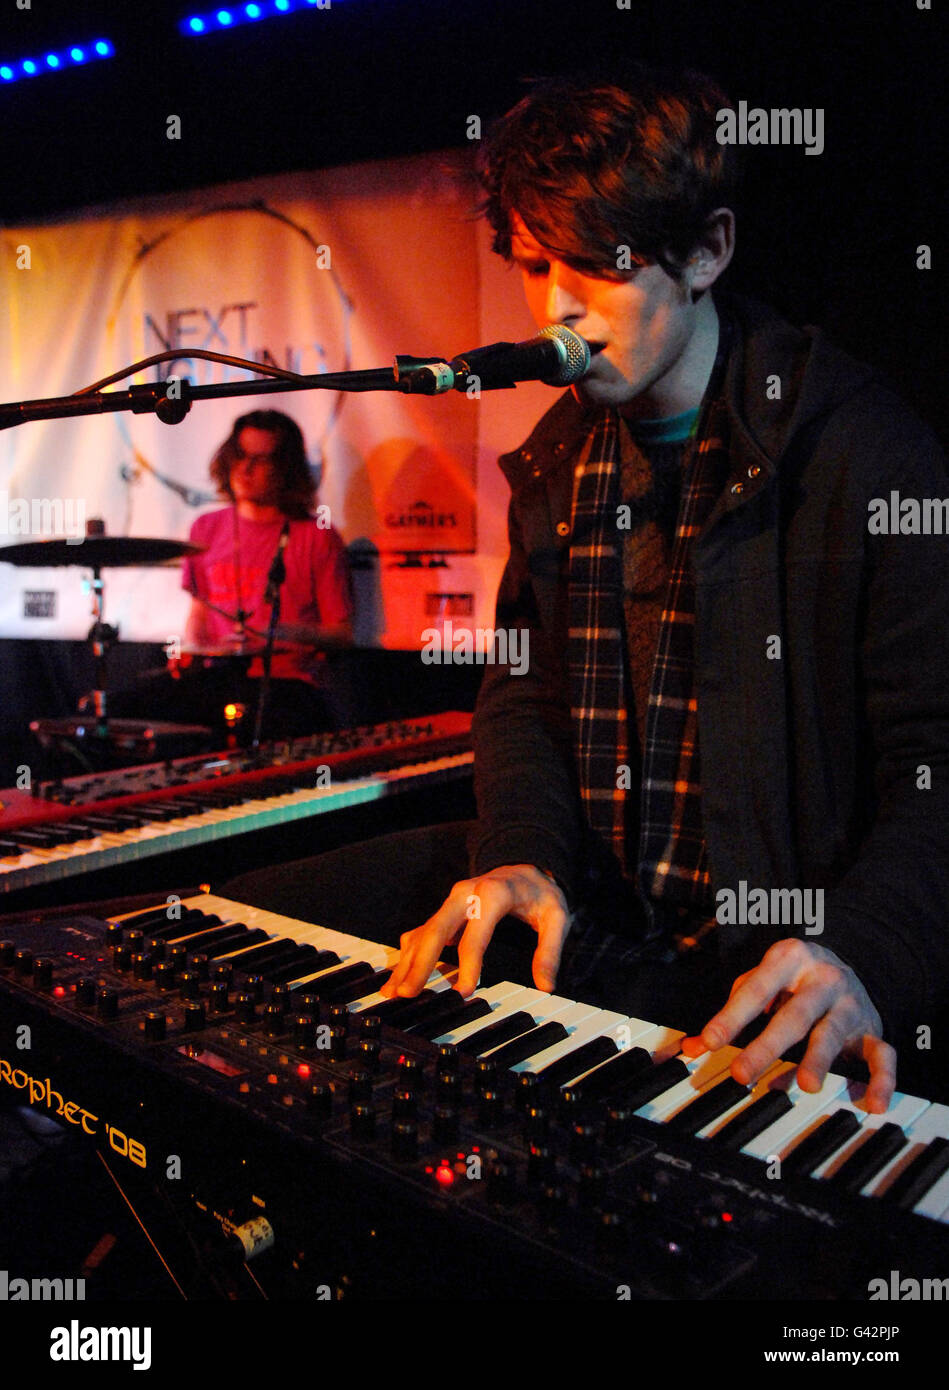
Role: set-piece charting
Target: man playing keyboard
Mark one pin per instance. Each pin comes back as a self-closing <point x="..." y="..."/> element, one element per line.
<point x="726" y="767"/>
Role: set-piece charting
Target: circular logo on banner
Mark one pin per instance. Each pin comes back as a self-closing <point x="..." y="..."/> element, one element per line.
<point x="241" y="280"/>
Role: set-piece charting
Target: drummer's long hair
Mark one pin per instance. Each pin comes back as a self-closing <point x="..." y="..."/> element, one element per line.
<point x="297" y="488"/>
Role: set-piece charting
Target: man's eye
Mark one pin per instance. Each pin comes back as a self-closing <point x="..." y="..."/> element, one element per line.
<point x="537" y="270"/>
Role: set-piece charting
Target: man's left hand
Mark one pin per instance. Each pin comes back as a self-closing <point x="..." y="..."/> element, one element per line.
<point x="816" y="994"/>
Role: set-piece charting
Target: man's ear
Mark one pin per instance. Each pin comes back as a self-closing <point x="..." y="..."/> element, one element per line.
<point x="712" y="253"/>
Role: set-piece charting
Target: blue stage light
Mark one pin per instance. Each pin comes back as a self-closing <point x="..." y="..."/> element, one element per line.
<point x="56" y="62"/>
<point x="215" y="20"/>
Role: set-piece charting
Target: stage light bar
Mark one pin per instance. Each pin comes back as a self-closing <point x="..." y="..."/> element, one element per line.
<point x="75" y="55"/>
<point x="230" y="16"/>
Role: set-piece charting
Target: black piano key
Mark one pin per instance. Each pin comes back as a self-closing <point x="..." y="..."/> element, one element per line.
<point x="105" y="822"/>
<point x="496" y="1033"/>
<point x="606" y="1080"/>
<point x="391" y="1011"/>
<point x="467" y="1012"/>
<point x="9" y="849"/>
<point x="33" y="839"/>
<point x="809" y="1153"/>
<point x="752" y="1121"/>
<point x="421" y="1011"/>
<point x="224" y="947"/>
<point x="356" y="988"/>
<point x="191" y="921"/>
<point x="707" y="1107"/>
<point x="866" y="1161"/>
<point x="587" y="1055"/>
<point x="307" y="961"/>
<point x="270" y="951"/>
<point x="224" y="938"/>
<point x="149" y="915"/>
<point x="922" y="1173"/>
<point x="640" y="1090"/>
<point x="529" y="1044"/>
<point x="324" y="985"/>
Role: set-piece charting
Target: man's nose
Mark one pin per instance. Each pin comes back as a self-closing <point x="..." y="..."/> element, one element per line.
<point x="564" y="302"/>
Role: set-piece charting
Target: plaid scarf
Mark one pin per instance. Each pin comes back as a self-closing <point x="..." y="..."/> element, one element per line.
<point x="672" y="861"/>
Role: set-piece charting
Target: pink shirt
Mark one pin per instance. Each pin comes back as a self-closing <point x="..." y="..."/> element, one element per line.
<point x="233" y="570"/>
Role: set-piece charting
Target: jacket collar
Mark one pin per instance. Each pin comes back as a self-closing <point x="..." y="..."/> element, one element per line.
<point x="768" y="356"/>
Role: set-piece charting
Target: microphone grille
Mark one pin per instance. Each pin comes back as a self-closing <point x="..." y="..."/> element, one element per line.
<point x="575" y="358"/>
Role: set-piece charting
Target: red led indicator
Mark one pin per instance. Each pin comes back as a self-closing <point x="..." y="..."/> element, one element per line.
<point x="726" y="1216"/>
<point x="59" y="991"/>
<point x="445" y="1177"/>
<point x="303" y="1070"/>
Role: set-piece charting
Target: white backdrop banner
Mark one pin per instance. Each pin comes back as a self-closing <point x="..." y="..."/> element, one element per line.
<point x="314" y="272"/>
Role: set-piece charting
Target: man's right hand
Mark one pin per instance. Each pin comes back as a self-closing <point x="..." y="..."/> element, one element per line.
<point x="469" y="916"/>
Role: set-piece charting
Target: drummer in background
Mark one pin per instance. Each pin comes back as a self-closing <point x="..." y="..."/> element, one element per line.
<point x="262" y="468"/>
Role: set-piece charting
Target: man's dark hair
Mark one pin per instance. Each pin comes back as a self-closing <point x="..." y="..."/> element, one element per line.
<point x="594" y="166"/>
<point x="297" y="488"/>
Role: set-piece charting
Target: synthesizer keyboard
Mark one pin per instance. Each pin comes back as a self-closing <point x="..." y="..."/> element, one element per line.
<point x="104" y="820"/>
<point x="530" y="1144"/>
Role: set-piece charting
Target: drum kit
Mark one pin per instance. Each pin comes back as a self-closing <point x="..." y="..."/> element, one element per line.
<point x="92" y="736"/>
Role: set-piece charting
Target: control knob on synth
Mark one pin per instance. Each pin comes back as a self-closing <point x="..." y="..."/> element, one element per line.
<point x="164" y="974"/>
<point x="194" y="1019"/>
<point x="42" y="972"/>
<point x="245" y="1007"/>
<point x="85" y="993"/>
<point x="154" y="1027"/>
<point x="189" y="983"/>
<point x="405" y="1141"/>
<point x="107" y="1003"/>
<point x="303" y="1028"/>
<point x="23" y="961"/>
<point x="273" y="1020"/>
<point x="7" y="949"/>
<point x="142" y="966"/>
<point x="445" y="1124"/>
<point x="362" y="1122"/>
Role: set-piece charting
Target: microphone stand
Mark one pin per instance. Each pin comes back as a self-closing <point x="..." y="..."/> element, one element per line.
<point x="428" y="376"/>
<point x="275" y="578"/>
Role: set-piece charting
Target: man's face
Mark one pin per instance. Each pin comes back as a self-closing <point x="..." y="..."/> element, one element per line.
<point x="637" y="328"/>
<point x="254" y="474"/>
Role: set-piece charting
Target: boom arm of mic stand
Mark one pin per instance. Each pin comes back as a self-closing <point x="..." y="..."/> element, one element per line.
<point x="154" y="396"/>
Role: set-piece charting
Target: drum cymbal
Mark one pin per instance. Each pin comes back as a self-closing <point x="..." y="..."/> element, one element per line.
<point x="248" y="647"/>
<point x="98" y="552"/>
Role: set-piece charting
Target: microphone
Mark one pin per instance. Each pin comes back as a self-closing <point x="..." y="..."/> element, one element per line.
<point x="557" y="356"/>
<point x="278" y="570"/>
